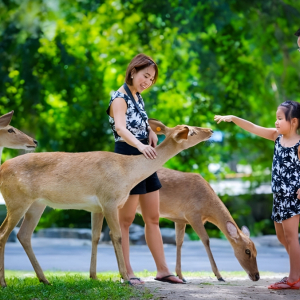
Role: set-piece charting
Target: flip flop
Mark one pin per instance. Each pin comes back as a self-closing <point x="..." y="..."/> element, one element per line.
<point x="135" y="278"/>
<point x="167" y="279"/>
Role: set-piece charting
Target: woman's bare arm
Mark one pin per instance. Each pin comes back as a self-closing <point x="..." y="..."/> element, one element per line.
<point x="118" y="112"/>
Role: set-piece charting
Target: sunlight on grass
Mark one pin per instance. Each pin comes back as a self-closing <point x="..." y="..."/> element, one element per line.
<point x="69" y="285"/>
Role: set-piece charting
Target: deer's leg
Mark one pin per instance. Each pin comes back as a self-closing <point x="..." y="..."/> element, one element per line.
<point x="11" y="220"/>
<point x="30" y="221"/>
<point x="200" y="230"/>
<point x="111" y="216"/>
<point x="97" y="221"/>
<point x="180" y="230"/>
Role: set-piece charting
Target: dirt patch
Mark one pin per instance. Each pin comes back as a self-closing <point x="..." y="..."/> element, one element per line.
<point x="209" y="288"/>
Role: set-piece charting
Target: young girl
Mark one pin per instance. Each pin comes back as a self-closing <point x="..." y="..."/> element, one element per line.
<point x="285" y="181"/>
<point x="297" y="33"/>
<point x="133" y="136"/>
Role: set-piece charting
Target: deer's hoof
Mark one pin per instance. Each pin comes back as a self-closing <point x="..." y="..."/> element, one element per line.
<point x="221" y="279"/>
<point x="45" y="281"/>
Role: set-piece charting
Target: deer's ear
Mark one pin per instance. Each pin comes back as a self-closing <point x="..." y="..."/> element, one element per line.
<point x="5" y="119"/>
<point x="181" y="135"/>
<point x="246" y="231"/>
<point x="157" y="126"/>
<point x="232" y="230"/>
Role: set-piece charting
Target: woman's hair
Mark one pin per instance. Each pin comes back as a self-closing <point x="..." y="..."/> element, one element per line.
<point x="291" y="110"/>
<point x="140" y="62"/>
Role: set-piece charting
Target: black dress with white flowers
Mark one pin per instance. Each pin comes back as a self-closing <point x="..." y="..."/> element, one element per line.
<point x="285" y="181"/>
<point x="134" y="122"/>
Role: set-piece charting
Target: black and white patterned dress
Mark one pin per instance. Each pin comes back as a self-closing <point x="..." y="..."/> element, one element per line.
<point x="134" y="122"/>
<point x="285" y="181"/>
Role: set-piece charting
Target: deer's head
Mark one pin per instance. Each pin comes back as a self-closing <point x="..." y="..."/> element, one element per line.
<point x="244" y="249"/>
<point x="13" y="138"/>
<point x="185" y="136"/>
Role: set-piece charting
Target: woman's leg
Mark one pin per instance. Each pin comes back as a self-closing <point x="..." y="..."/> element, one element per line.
<point x="150" y="211"/>
<point x="290" y="228"/>
<point x="126" y="217"/>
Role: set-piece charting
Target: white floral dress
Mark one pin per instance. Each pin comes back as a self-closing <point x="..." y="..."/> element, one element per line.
<point x="285" y="181"/>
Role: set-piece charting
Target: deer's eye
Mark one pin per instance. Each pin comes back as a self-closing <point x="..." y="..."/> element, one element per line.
<point x="10" y="130"/>
<point x="247" y="251"/>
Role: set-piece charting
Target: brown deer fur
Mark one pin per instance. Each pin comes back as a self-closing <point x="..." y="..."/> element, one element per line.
<point x="98" y="182"/>
<point x="186" y="198"/>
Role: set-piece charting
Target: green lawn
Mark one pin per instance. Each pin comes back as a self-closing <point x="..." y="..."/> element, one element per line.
<point x="64" y="286"/>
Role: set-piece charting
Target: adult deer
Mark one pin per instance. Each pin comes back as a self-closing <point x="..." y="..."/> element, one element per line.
<point x="13" y="138"/>
<point x="186" y="198"/>
<point x="98" y="182"/>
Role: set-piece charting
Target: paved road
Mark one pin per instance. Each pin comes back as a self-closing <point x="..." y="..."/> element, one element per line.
<point x="74" y="255"/>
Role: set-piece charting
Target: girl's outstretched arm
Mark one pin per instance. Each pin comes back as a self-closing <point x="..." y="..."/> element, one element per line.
<point x="267" y="133"/>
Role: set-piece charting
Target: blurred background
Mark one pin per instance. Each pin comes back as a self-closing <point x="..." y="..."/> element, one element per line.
<point x="60" y="60"/>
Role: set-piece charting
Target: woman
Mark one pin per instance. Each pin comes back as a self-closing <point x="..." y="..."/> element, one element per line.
<point x="133" y="136"/>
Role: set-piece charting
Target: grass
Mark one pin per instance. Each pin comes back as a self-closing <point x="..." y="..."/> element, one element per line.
<point x="68" y="286"/>
<point x="77" y="285"/>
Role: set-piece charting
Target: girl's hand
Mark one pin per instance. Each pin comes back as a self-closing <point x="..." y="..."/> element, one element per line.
<point x="298" y="194"/>
<point x="219" y="119"/>
<point x="152" y="138"/>
<point x="147" y="150"/>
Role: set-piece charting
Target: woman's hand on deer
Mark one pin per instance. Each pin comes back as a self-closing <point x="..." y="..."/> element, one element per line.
<point x="147" y="150"/>
<point x="152" y="138"/>
<point x="219" y="119"/>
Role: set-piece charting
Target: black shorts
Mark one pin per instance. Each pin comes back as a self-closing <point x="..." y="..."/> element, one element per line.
<point x="147" y="185"/>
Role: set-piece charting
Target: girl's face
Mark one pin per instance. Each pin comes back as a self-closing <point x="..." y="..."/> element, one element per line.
<point x="282" y="125"/>
<point x="143" y="79"/>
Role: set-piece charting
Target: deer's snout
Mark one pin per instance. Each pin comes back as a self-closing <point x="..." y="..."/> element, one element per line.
<point x="254" y="277"/>
<point x="36" y="142"/>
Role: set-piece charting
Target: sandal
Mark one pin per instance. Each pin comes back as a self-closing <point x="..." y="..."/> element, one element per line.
<point x="274" y="285"/>
<point x="292" y="285"/>
<point x="287" y="285"/>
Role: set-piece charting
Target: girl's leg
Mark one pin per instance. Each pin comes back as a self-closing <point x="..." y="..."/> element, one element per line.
<point x="281" y="239"/>
<point x="280" y="235"/>
<point x="290" y="228"/>
<point x="126" y="217"/>
<point x="150" y="211"/>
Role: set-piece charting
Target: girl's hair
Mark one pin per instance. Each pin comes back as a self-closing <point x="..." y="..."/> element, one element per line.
<point x="140" y="62"/>
<point x="291" y="110"/>
<point x="297" y="33"/>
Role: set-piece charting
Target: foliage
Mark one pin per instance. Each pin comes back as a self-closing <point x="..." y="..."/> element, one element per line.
<point x="60" y="61"/>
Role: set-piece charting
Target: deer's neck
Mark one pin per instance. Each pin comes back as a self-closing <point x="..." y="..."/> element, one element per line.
<point x="141" y="167"/>
<point x="1" y="149"/>
<point x="220" y="217"/>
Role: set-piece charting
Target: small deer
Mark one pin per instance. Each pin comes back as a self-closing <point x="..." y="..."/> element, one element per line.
<point x="98" y="182"/>
<point x="186" y="198"/>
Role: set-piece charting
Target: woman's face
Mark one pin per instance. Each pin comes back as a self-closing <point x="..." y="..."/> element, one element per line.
<point x="143" y="79"/>
<point x="298" y="42"/>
